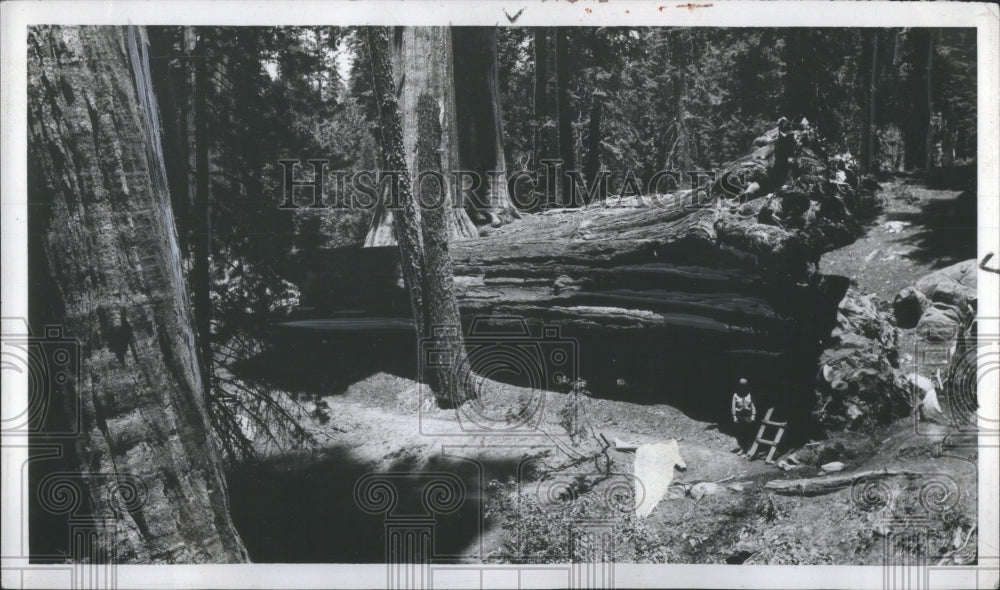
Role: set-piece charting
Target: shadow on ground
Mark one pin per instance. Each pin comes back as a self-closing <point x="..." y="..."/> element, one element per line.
<point x="302" y="508"/>
<point x="948" y="230"/>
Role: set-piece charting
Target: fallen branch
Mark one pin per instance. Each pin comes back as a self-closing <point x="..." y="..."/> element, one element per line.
<point x="825" y="485"/>
<point x="951" y="554"/>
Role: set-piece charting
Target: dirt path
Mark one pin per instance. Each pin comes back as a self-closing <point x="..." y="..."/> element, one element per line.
<point x="919" y="230"/>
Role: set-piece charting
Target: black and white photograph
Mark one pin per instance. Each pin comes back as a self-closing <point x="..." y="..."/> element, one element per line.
<point x="447" y="295"/>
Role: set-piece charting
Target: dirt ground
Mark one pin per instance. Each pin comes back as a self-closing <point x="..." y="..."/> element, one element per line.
<point x="513" y="447"/>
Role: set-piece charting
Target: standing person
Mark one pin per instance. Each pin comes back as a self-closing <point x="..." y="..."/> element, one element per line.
<point x="744" y="414"/>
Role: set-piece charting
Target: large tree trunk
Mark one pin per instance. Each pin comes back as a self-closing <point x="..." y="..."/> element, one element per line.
<point x="480" y="121"/>
<point x="422" y="60"/>
<point x="428" y="279"/>
<point x="107" y="235"/>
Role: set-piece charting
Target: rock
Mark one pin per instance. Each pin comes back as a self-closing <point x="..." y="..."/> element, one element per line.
<point x="938" y="302"/>
<point x="894" y="227"/>
<point x="952" y="293"/>
<point x="807" y="455"/>
<point x="939" y="323"/>
<point x="908" y="306"/>
<point x="787" y="466"/>
<point x="704" y="488"/>
<point x="832" y="467"/>
<point x="954" y="285"/>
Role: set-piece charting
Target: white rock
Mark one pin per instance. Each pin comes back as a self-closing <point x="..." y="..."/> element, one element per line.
<point x="832" y="467"/>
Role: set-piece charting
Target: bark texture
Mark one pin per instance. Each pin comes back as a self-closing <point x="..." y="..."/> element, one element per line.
<point x="108" y="237"/>
<point x="405" y="220"/>
<point x="451" y="380"/>
<point x="480" y="121"/>
<point x="422" y="62"/>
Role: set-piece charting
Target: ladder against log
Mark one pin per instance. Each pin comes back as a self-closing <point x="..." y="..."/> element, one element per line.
<point x="760" y="440"/>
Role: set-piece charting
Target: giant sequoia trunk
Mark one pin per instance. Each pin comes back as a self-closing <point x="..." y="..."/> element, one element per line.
<point x="106" y="234"/>
<point x="422" y="63"/>
<point x="480" y="121"/>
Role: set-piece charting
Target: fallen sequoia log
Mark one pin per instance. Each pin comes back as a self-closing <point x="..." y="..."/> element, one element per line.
<point x="682" y="291"/>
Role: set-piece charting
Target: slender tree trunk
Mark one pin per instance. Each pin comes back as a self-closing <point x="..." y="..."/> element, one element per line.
<point x="147" y="461"/>
<point x="947" y="146"/>
<point x="430" y="288"/>
<point x="564" y="114"/>
<point x="541" y="108"/>
<point x="681" y="156"/>
<point x="202" y="272"/>
<point x="869" y="72"/>
<point x="480" y="121"/>
<point x="929" y="141"/>
<point x="190" y="42"/>
<point x="592" y="161"/>
<point x="405" y="220"/>
<point x="917" y="124"/>
<point x="452" y="382"/>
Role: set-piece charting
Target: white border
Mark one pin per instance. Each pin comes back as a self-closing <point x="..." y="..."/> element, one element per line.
<point x="16" y="16"/>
